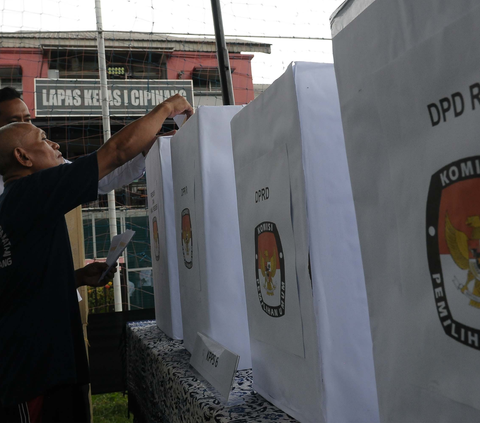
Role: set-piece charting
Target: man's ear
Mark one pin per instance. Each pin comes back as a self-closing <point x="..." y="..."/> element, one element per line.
<point x="22" y="157"/>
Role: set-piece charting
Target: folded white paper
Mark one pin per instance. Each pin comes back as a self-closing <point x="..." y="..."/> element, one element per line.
<point x="215" y="363"/>
<point x="180" y="120"/>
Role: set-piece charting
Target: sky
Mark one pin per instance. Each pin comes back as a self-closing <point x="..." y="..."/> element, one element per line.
<point x="256" y="19"/>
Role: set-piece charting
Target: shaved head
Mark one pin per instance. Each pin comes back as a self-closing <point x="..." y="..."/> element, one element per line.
<point x="25" y="149"/>
<point x="11" y="137"/>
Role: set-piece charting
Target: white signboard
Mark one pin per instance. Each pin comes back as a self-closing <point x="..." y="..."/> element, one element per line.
<point x="208" y="239"/>
<point x="163" y="239"/>
<point x="307" y="306"/>
<point x="184" y="160"/>
<point x="415" y="179"/>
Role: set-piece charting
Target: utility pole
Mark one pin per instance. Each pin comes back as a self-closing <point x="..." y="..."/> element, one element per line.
<point x="222" y="56"/>
<point x="102" y="68"/>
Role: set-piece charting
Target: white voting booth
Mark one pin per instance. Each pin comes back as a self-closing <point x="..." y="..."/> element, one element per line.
<point x="409" y="86"/>
<point x="161" y="211"/>
<point x="208" y="240"/>
<point x="307" y="306"/>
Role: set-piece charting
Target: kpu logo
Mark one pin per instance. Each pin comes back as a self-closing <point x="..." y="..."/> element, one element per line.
<point x="156" y="240"/>
<point x="453" y="247"/>
<point x="187" y="244"/>
<point x="270" y="269"/>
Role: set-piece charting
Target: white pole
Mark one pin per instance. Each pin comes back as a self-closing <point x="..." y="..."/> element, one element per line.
<point x="123" y="228"/>
<point x="102" y="68"/>
<point x="94" y="237"/>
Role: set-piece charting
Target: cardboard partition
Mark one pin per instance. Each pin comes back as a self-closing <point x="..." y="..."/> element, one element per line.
<point x="208" y="240"/>
<point x="307" y="306"/>
<point x="161" y="211"/>
<point x="409" y="91"/>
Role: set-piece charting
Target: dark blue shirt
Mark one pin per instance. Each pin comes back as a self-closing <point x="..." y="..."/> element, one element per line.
<point x="41" y="337"/>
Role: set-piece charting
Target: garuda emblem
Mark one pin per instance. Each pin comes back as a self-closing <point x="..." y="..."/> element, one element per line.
<point x="465" y="252"/>
<point x="187" y="243"/>
<point x="270" y="269"/>
<point x="453" y="248"/>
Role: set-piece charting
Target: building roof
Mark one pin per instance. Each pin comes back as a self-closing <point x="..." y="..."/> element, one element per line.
<point x="124" y="40"/>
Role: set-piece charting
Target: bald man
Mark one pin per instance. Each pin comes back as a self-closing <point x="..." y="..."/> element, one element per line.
<point x="13" y="109"/>
<point x="42" y="353"/>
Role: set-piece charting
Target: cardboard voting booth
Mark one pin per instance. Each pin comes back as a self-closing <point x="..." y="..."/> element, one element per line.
<point x="307" y="306"/>
<point x="161" y="211"/>
<point x="409" y="90"/>
<point x="208" y="240"/>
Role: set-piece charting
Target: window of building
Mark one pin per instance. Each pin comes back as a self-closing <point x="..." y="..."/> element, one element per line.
<point x="206" y="79"/>
<point x="117" y="71"/>
<point x="75" y="64"/>
<point x="11" y="76"/>
<point x="83" y="64"/>
<point x="136" y="65"/>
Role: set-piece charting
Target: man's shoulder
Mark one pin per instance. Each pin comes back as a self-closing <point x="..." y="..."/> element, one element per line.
<point x="53" y="191"/>
<point x="83" y="166"/>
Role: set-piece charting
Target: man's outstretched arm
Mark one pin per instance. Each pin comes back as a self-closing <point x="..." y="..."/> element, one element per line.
<point x="137" y="136"/>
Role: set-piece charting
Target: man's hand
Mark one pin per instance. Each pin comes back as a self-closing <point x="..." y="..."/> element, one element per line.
<point x="178" y="106"/>
<point x="90" y="275"/>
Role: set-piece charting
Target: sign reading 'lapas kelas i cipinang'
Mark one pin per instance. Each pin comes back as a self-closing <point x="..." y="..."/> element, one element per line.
<point x="74" y="97"/>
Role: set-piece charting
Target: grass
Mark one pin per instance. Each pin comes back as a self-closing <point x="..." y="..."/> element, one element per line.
<point x="110" y="408"/>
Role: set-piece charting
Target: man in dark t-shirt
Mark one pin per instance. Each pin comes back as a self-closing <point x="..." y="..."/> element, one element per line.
<point x="39" y="310"/>
<point x="41" y="340"/>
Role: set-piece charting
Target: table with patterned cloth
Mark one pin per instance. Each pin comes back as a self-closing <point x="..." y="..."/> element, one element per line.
<point x="163" y="387"/>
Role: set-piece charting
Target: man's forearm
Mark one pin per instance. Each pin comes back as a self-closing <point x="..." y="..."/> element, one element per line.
<point x="132" y="139"/>
<point x="137" y="136"/>
<point x="123" y="175"/>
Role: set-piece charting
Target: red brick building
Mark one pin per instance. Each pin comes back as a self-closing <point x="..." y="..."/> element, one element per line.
<point x="25" y="56"/>
<point x="62" y="62"/>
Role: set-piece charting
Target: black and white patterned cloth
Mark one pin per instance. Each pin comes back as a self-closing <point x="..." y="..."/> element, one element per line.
<point x="164" y="387"/>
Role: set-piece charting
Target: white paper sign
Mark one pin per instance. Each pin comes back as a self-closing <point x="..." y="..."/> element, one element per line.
<point x="415" y="180"/>
<point x="274" y="290"/>
<point x="184" y="157"/>
<point x="215" y="363"/>
<point x="117" y="246"/>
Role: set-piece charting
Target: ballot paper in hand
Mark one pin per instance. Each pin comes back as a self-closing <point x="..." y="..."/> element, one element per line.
<point x="118" y="244"/>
